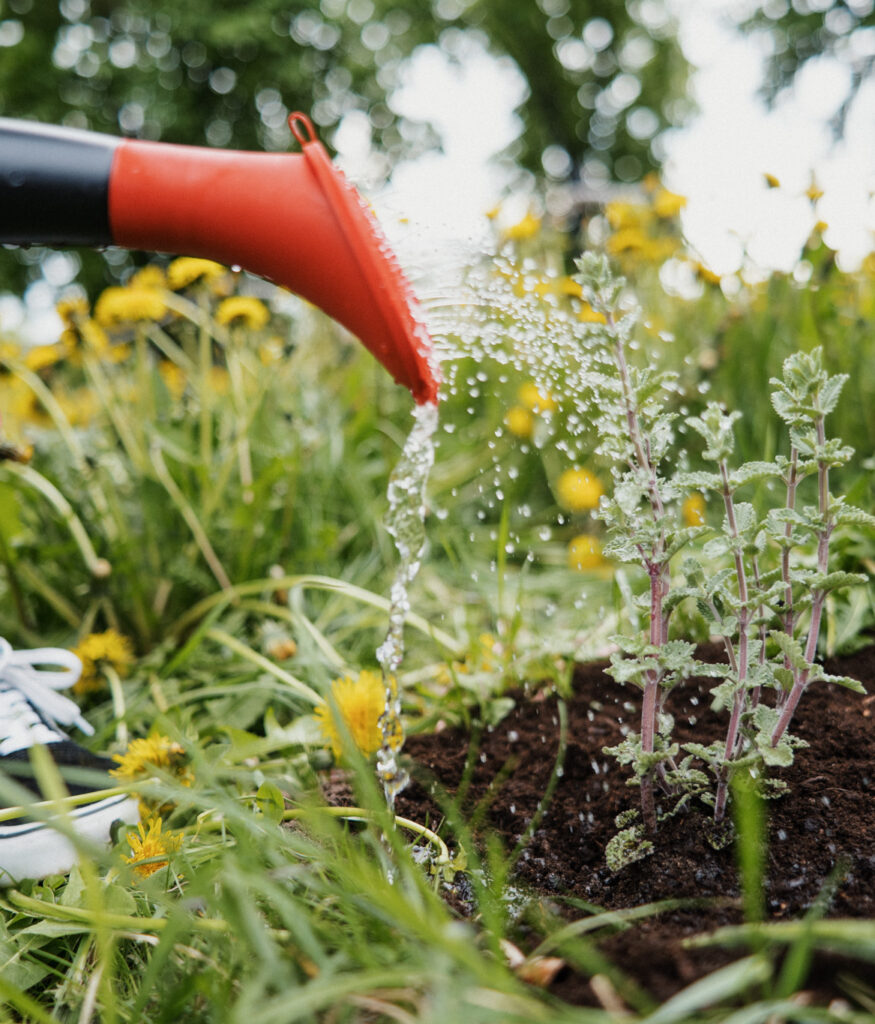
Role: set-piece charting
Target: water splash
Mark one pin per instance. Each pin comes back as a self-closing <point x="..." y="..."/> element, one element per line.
<point x="405" y="521"/>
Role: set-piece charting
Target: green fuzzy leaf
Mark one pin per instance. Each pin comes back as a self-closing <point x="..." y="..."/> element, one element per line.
<point x="752" y="471"/>
<point x="698" y="480"/>
<point x="845" y="681"/>
<point x="835" y="580"/>
<point x="791" y="649"/>
<point x="829" y="393"/>
<point x="851" y="514"/>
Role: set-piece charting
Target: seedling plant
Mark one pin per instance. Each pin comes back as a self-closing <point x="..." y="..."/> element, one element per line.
<point x="764" y="601"/>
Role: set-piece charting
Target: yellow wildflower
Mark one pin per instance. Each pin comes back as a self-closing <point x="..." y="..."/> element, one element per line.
<point x="173" y="377"/>
<point x="220" y="380"/>
<point x="72" y="309"/>
<point x="42" y="356"/>
<point x="533" y="398"/>
<point x="270" y="352"/>
<point x="250" y="311"/>
<point x="359" y="702"/>
<point x="9" y="351"/>
<point x="705" y="273"/>
<point x="155" y="751"/>
<point x="527" y="228"/>
<point x="86" y="334"/>
<point x="626" y="215"/>
<point x="480" y="658"/>
<point x="149" y="277"/>
<point x="771" y="180"/>
<point x="585" y="552"/>
<point x="667" y="204"/>
<point x="814" y="191"/>
<point x="588" y="315"/>
<point x="519" y="421"/>
<point x="98" y="650"/>
<point x="693" y="509"/>
<point x="150" y="842"/>
<point x="578" y="491"/>
<point x="129" y="304"/>
<point x="186" y="270"/>
<point x="80" y="406"/>
<point x="626" y="240"/>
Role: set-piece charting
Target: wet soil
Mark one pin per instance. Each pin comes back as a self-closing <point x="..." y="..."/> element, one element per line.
<point x="824" y="824"/>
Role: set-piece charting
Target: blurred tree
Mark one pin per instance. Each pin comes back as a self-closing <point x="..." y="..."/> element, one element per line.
<point x="807" y="29"/>
<point x="604" y="76"/>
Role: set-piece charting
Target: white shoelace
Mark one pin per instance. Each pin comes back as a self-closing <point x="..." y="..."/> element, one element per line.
<point x="30" y="703"/>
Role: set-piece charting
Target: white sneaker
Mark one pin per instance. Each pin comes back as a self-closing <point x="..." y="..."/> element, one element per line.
<point x="31" y="712"/>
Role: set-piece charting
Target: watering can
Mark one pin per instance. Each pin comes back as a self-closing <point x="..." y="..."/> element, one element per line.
<point x="291" y="218"/>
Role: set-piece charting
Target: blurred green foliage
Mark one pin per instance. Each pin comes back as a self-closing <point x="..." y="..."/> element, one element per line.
<point x="603" y="77"/>
<point x="800" y="32"/>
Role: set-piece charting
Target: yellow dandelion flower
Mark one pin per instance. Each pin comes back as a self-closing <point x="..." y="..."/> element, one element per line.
<point x="42" y="356"/>
<point x="85" y="335"/>
<point x="359" y="703"/>
<point x="80" y="406"/>
<point x="693" y="509"/>
<point x="220" y="380"/>
<point x="667" y="204"/>
<point x="578" y="491"/>
<point x="771" y="180"/>
<point x="149" y="842"/>
<point x="519" y="421"/>
<point x="585" y="552"/>
<point x="9" y="352"/>
<point x="527" y="228"/>
<point x="186" y="270"/>
<point x="155" y="751"/>
<point x="149" y="277"/>
<point x="173" y="377"/>
<point x="270" y="352"/>
<point x="626" y="240"/>
<point x="705" y="273"/>
<point x="622" y="215"/>
<point x="98" y="650"/>
<point x="588" y="315"/>
<point x="129" y="304"/>
<point x="251" y="312"/>
<point x="72" y="309"/>
<point x="533" y="398"/>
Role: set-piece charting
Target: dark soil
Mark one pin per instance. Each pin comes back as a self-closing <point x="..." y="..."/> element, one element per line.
<point x="825" y="819"/>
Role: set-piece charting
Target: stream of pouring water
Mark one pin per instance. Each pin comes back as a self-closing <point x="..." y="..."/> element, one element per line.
<point x="405" y="521"/>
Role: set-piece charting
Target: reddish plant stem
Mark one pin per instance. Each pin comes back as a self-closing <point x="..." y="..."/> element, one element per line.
<point x="819" y="597"/>
<point x="732" y="731"/>
<point x="788" y="618"/>
<point x="657" y="570"/>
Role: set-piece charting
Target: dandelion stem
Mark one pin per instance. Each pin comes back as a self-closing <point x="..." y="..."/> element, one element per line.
<point x="203" y="607"/>
<point x="98" y="567"/>
<point x="189" y="515"/>
<point x="245" y="651"/>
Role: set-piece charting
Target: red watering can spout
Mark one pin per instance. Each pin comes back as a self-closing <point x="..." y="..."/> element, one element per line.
<point x="292" y="218"/>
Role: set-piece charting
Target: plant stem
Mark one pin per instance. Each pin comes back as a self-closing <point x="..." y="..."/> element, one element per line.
<point x="98" y="567"/>
<point x="189" y="515"/>
<point x="656" y="567"/>
<point x="738" y="702"/>
<point x="819" y="597"/>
